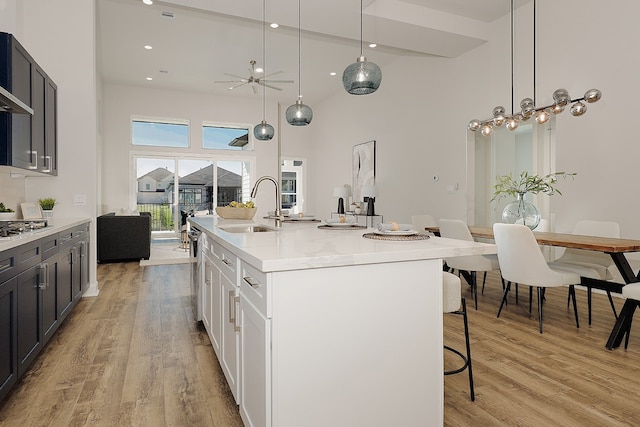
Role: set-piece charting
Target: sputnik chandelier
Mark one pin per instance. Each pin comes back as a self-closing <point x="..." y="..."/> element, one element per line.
<point x="528" y="110"/>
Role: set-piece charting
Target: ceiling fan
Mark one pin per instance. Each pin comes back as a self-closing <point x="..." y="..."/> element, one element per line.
<point x="252" y="80"/>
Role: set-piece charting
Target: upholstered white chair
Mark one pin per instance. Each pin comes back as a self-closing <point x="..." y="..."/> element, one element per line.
<point x="591" y="264"/>
<point x="471" y="264"/>
<point x="522" y="262"/>
<point x="630" y="292"/>
<point x="420" y="222"/>
<point x="452" y="302"/>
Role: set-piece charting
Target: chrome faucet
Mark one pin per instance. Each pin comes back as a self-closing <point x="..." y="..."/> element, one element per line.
<point x="277" y="216"/>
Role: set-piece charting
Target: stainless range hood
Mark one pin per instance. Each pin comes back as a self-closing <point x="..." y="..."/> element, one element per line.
<point x="11" y="104"/>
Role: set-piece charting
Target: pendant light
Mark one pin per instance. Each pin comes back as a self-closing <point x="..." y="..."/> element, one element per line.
<point x="264" y="131"/>
<point x="561" y="99"/>
<point x="361" y="77"/>
<point x="299" y="114"/>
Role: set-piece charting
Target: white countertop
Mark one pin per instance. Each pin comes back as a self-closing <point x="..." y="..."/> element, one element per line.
<point x="55" y="225"/>
<point x="302" y="245"/>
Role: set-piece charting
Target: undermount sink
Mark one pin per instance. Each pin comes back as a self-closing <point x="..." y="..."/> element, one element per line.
<point x="248" y="229"/>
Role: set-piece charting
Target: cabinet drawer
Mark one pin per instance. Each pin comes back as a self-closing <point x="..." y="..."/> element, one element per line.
<point x="207" y="246"/>
<point x="50" y="246"/>
<point x="8" y="268"/>
<point x="255" y="287"/>
<point x="228" y="263"/>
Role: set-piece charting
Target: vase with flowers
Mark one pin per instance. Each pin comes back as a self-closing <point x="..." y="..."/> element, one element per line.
<point x="521" y="210"/>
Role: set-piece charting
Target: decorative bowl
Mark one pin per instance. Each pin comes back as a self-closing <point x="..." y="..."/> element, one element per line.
<point x="228" y="212"/>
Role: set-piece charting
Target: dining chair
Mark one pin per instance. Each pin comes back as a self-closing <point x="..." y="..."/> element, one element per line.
<point x="453" y="303"/>
<point x="630" y="292"/>
<point x="591" y="264"/>
<point x="422" y="221"/>
<point x="522" y="262"/>
<point x="468" y="265"/>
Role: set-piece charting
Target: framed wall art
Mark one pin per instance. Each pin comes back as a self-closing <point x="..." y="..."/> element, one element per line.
<point x="363" y="168"/>
<point x="30" y="210"/>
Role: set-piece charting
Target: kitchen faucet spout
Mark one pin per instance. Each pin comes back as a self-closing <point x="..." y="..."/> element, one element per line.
<point x="277" y="213"/>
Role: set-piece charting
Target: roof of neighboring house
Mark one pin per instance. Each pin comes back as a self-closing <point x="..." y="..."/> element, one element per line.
<point x="204" y="176"/>
<point x="159" y="174"/>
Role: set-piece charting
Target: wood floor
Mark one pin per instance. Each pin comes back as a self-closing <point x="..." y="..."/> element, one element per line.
<point x="134" y="357"/>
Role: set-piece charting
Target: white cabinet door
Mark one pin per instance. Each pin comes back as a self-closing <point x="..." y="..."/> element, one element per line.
<point x="230" y="333"/>
<point x="255" y="366"/>
<point x="211" y="303"/>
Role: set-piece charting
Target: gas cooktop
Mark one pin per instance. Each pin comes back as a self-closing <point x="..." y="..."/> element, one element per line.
<point x="14" y="228"/>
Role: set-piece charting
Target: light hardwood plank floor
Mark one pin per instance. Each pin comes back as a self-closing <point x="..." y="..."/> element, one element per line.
<point x="134" y="357"/>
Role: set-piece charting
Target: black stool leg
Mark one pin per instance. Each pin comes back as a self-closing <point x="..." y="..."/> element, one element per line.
<point x="466" y="338"/>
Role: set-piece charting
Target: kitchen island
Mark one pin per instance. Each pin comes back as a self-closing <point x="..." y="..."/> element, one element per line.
<point x="319" y="327"/>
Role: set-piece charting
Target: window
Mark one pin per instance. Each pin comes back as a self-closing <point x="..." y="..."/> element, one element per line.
<point x="160" y="133"/>
<point x="217" y="137"/>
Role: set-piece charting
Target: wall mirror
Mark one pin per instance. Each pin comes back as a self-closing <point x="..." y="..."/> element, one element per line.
<point x="530" y="147"/>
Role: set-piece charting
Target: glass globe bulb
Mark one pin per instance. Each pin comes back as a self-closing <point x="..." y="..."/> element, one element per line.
<point x="362" y="77"/>
<point x="498" y="111"/>
<point x="299" y="114"/>
<point x="592" y="95"/>
<point x="527" y="111"/>
<point x="474" y="125"/>
<point x="578" y="109"/>
<point x="486" y="130"/>
<point x="264" y="131"/>
<point x="511" y="123"/>
<point x="561" y="97"/>
<point x="526" y="102"/>
<point x="499" y="120"/>
<point x="557" y="109"/>
<point x="542" y="117"/>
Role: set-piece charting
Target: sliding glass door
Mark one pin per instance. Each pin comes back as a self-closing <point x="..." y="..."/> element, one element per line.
<point x="172" y="188"/>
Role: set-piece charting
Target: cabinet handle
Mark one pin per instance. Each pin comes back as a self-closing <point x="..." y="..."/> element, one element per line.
<point x="4" y="266"/>
<point x="252" y="282"/>
<point x="34" y="155"/>
<point x="228" y="262"/>
<point x="232" y="307"/>
<point x="236" y="305"/>
<point x="44" y="276"/>
<point x="47" y="164"/>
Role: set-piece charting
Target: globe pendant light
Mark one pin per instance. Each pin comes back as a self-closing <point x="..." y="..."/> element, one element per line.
<point x="299" y="114"/>
<point x="264" y="131"/>
<point x="362" y="77"/>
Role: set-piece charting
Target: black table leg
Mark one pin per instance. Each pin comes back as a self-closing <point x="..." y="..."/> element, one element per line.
<point x="622" y="324"/>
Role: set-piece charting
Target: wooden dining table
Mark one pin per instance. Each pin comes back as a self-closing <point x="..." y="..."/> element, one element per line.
<point x="614" y="247"/>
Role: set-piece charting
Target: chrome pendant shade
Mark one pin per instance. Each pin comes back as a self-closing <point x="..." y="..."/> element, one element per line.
<point x="299" y="114"/>
<point x="362" y="77"/>
<point x="264" y="131"/>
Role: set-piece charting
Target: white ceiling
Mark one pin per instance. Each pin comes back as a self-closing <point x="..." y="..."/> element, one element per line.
<point x="207" y="38"/>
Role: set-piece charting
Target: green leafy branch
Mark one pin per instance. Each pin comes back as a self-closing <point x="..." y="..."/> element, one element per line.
<point x="506" y="185"/>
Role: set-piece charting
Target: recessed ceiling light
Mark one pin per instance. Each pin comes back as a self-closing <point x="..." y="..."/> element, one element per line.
<point x="148" y="47"/>
<point x="147" y="2"/>
<point x="149" y="78"/>
<point x="373" y="45"/>
<point x="259" y="70"/>
<point x="274" y="25"/>
<point x="333" y="73"/>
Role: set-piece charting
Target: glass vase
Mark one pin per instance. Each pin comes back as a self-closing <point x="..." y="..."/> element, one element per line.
<point x="521" y="211"/>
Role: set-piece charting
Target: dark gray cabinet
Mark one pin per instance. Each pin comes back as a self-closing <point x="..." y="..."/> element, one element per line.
<point x="40" y="283"/>
<point x="27" y="141"/>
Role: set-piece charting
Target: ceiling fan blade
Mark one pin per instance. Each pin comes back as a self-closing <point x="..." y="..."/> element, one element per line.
<point x="276" y="81"/>
<point x="237" y="77"/>
<point x="269" y="86"/>
<point x="255" y="89"/>
<point x="272" y="74"/>
<point x="229" y="81"/>
<point x="241" y="84"/>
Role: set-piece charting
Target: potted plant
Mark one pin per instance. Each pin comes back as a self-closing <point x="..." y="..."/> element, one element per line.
<point x="6" y="213"/>
<point x="521" y="210"/>
<point x="47" y="205"/>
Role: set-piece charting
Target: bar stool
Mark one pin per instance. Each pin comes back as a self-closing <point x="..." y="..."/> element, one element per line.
<point x="453" y="303"/>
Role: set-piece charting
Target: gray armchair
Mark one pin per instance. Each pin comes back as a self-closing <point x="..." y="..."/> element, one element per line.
<point x="123" y="237"/>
